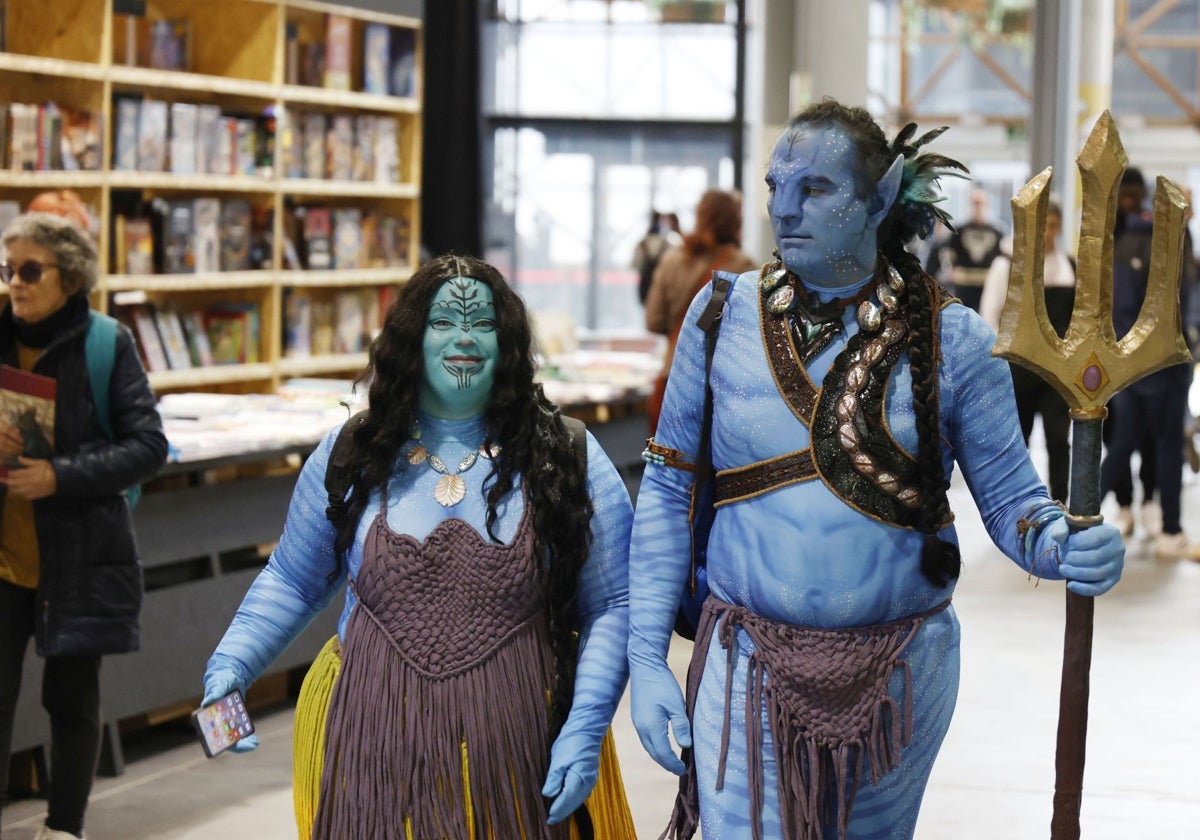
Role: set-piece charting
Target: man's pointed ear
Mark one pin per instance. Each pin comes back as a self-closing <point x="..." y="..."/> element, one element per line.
<point x="886" y="191"/>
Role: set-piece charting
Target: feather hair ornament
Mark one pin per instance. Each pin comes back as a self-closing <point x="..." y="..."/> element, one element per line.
<point x="919" y="195"/>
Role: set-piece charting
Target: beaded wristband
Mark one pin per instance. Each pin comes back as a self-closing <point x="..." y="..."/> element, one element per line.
<point x="1031" y="524"/>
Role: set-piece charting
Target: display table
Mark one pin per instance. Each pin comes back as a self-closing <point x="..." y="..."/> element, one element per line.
<point x="205" y="528"/>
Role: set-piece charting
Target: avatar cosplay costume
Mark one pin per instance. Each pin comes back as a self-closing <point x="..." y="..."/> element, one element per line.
<point x="826" y="665"/>
<point x="438" y="719"/>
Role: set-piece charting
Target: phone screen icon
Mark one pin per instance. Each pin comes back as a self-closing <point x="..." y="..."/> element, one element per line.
<point x="223" y="723"/>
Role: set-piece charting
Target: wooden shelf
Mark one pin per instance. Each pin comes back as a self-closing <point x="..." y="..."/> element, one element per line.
<point x="346" y="277"/>
<point x="311" y="365"/>
<point x="190" y="282"/>
<point x="212" y="375"/>
<point x="237" y="60"/>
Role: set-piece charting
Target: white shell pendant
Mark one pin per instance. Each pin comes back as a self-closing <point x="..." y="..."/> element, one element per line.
<point x="450" y="490"/>
<point x="417" y="454"/>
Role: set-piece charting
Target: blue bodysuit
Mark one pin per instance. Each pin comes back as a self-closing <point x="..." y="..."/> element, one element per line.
<point x="294" y="586"/>
<point x="802" y="555"/>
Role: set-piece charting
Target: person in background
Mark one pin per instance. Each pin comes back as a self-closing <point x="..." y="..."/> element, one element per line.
<point x="1035" y="395"/>
<point x="846" y="385"/>
<point x="69" y="570"/>
<point x="961" y="262"/>
<point x="662" y="234"/>
<point x="713" y="245"/>
<point x="1148" y="415"/>
<point x="480" y="653"/>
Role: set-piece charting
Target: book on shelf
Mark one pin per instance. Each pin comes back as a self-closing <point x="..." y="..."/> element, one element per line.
<point x="318" y="246"/>
<point x="136" y="241"/>
<point x="152" y="135"/>
<point x="338" y="36"/>
<point x="208" y="137"/>
<point x="233" y="333"/>
<point x="287" y="143"/>
<point x="49" y="137"/>
<point x="170" y="331"/>
<point x="154" y="355"/>
<point x="197" y="338"/>
<point x="370" y="240"/>
<point x="339" y="148"/>
<point x="125" y="146"/>
<point x="347" y="238"/>
<point x="167" y="43"/>
<point x="297" y="323"/>
<point x="237" y="219"/>
<point x="291" y="54"/>
<point x="402" y="69"/>
<point x="224" y="142"/>
<point x="206" y="242"/>
<point x="372" y="314"/>
<point x="312" y="64"/>
<point x="22" y="136"/>
<point x="313" y="140"/>
<point x="386" y="151"/>
<point x="82" y="139"/>
<point x="9" y="210"/>
<point x="184" y="119"/>
<point x="351" y="321"/>
<point x="178" y="219"/>
<point x="377" y="48"/>
<point x="323" y="327"/>
<point x="363" y="163"/>
<point x="245" y="152"/>
<point x="27" y="401"/>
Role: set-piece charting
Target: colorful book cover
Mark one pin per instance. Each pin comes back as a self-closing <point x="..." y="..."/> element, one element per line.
<point x="402" y="72"/>
<point x="347" y="238"/>
<point x="313" y="131"/>
<point x="206" y="238"/>
<point x="208" y="138"/>
<point x="178" y="241"/>
<point x="170" y="330"/>
<point x="377" y="47"/>
<point x="387" y="151"/>
<point x="340" y="146"/>
<point x="150" y="342"/>
<point x="27" y="403"/>
<point x="351" y="322"/>
<point x="363" y="164"/>
<point x="233" y="333"/>
<point x="337" y="52"/>
<point x="137" y="241"/>
<point x="236" y="227"/>
<point x="197" y="338"/>
<point x="152" y="136"/>
<point x="297" y="324"/>
<point x="318" y="247"/>
<point x="184" y="119"/>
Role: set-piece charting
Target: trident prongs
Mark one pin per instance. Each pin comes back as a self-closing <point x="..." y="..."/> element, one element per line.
<point x="1089" y="365"/>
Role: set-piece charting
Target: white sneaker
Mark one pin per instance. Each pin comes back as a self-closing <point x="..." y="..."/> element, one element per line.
<point x="1124" y="521"/>
<point x="52" y="834"/>
<point x="1152" y="518"/>
<point x="1176" y="547"/>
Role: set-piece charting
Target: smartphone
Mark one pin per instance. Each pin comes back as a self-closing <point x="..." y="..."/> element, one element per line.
<point x="223" y="723"/>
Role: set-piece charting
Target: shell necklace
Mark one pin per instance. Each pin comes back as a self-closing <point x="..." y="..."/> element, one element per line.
<point x="450" y="488"/>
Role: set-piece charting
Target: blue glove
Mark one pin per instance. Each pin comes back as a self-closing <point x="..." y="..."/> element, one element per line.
<point x="216" y="685"/>
<point x="1090" y="560"/>
<point x="657" y="706"/>
<point x="574" y="769"/>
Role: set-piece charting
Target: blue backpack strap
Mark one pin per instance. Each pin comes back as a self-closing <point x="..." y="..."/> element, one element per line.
<point x="100" y="349"/>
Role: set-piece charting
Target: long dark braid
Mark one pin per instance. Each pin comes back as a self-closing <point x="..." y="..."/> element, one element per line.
<point x="912" y="214"/>
<point x="534" y="444"/>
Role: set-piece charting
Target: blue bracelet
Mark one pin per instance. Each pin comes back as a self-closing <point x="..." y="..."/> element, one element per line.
<point x="1036" y="518"/>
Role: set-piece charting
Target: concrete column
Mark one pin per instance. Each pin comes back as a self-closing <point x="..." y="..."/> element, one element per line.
<point x="1054" y="122"/>
<point x="802" y="50"/>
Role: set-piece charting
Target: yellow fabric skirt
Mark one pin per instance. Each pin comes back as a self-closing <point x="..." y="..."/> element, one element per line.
<point x="607" y="805"/>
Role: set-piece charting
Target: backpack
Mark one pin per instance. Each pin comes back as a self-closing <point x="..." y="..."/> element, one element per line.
<point x="100" y="351"/>
<point x="701" y="510"/>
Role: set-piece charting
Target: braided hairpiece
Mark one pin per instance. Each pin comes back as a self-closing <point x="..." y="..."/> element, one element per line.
<point x="919" y="195"/>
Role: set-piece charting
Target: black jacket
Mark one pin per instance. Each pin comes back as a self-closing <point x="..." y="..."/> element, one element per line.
<point x="90" y="580"/>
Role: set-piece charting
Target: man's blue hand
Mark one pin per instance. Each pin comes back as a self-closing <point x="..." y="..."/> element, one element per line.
<point x="656" y="705"/>
<point x="574" y="769"/>
<point x="216" y="685"/>
<point x="1091" y="560"/>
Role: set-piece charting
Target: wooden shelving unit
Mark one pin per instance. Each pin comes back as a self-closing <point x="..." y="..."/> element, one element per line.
<point x="238" y="59"/>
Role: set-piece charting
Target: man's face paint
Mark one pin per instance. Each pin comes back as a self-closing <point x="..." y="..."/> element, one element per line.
<point x="461" y="350"/>
<point x="822" y="227"/>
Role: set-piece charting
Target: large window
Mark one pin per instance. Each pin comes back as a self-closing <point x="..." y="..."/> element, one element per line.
<point x="597" y="113"/>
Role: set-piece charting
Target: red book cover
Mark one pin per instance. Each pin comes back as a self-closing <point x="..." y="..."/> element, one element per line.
<point x="27" y="402"/>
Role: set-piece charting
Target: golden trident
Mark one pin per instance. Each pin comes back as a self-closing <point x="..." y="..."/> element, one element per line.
<point x="1087" y="366"/>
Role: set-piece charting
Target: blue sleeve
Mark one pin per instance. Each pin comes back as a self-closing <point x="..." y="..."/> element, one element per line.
<point x="292" y="589"/>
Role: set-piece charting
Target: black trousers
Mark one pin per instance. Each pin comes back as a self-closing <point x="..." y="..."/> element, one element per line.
<point x="1036" y="396"/>
<point x="71" y="696"/>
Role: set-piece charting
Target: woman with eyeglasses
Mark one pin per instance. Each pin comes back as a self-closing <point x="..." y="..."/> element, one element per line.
<point x="69" y="572"/>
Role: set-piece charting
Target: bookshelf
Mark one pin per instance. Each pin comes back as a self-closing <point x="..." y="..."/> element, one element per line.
<point x="298" y="78"/>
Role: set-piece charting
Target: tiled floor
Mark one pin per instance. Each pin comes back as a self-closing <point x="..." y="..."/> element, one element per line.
<point x="995" y="776"/>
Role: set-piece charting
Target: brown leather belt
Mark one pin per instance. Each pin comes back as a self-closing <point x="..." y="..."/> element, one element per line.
<point x="755" y="479"/>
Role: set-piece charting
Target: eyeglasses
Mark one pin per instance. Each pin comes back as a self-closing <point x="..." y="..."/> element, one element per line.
<point x="29" y="271"/>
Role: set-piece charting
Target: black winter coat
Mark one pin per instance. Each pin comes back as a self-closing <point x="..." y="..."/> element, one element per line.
<point x="90" y="580"/>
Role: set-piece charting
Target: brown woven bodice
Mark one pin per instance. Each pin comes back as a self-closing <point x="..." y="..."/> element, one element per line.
<point x="449" y="601"/>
